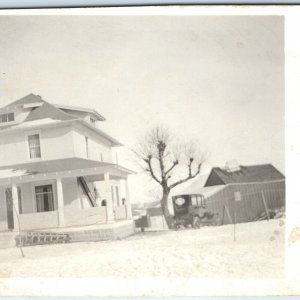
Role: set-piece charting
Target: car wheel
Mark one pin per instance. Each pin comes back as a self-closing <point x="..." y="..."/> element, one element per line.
<point x="196" y="222"/>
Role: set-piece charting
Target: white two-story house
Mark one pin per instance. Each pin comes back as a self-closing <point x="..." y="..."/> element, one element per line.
<point x="58" y="169"/>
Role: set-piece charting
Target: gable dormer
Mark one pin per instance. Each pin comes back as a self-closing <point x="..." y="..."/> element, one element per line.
<point x="17" y="111"/>
<point x="25" y="108"/>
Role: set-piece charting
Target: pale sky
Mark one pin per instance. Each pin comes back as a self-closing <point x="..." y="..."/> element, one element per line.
<point x="219" y="80"/>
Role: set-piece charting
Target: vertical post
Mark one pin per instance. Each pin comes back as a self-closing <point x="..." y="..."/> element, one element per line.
<point x="15" y="202"/>
<point x="234" y="217"/>
<point x="265" y="205"/>
<point x="16" y="210"/>
<point x="60" y="203"/>
<point x="237" y="198"/>
<point x="223" y="215"/>
<point x="228" y="214"/>
<point x="108" y="196"/>
<point x="128" y="205"/>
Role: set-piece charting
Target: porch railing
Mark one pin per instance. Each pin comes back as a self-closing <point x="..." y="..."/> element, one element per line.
<point x="39" y="220"/>
<point x="120" y="212"/>
<point x="85" y="216"/>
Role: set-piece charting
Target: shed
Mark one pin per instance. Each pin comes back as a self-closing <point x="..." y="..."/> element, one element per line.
<point x="243" y="194"/>
<point x="156" y="218"/>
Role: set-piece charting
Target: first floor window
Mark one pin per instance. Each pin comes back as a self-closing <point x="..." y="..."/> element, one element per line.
<point x="34" y="146"/>
<point x="44" y="198"/>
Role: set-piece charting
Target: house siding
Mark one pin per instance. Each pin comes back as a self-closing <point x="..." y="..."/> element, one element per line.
<point x="97" y="146"/>
<point x="55" y="143"/>
<point x="28" y="198"/>
<point x="71" y="193"/>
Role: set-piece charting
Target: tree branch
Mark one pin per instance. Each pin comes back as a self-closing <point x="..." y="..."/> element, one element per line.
<point x="175" y="163"/>
<point x="190" y="176"/>
<point x="150" y="169"/>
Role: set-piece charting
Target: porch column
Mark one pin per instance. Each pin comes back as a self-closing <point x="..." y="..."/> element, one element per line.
<point x="108" y="196"/>
<point x="128" y="205"/>
<point x="15" y="201"/>
<point x="60" y="203"/>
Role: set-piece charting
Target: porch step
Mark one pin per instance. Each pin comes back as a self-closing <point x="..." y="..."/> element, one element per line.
<point x="32" y="238"/>
<point x="7" y="240"/>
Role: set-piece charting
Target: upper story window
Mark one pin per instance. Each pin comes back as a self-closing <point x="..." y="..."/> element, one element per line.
<point x="9" y="117"/>
<point x="34" y="146"/>
<point x="93" y="121"/>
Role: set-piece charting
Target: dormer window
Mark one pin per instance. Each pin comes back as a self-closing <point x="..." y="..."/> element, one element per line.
<point x="9" y="117"/>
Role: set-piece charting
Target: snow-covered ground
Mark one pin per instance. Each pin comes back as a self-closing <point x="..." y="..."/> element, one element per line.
<point x="207" y="255"/>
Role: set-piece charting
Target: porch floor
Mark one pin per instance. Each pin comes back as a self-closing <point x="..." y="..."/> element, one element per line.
<point x="97" y="232"/>
<point x="102" y="225"/>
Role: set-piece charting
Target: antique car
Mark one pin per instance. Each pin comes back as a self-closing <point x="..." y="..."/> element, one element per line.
<point x="190" y="210"/>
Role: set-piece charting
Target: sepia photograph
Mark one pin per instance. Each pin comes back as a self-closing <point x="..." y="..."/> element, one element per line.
<point x="143" y="154"/>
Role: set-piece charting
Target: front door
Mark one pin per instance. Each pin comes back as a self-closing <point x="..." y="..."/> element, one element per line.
<point x="9" y="208"/>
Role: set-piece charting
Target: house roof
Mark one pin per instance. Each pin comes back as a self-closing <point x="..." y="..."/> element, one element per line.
<point x="53" y="166"/>
<point x="47" y="110"/>
<point x="246" y="174"/>
<point x="31" y="98"/>
<point x="88" y="110"/>
<point x="35" y="101"/>
<point x="45" y="114"/>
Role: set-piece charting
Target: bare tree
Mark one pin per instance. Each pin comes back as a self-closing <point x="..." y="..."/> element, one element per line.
<point x="165" y="161"/>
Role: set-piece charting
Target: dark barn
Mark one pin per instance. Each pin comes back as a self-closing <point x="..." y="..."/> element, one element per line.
<point x="242" y="194"/>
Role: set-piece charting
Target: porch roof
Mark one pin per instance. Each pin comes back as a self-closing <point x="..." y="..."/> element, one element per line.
<point x="67" y="167"/>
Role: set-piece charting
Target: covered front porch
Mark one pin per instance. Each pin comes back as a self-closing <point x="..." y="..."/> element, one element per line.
<point x="63" y="194"/>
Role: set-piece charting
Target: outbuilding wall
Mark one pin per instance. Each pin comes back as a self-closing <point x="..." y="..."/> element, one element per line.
<point x="251" y="204"/>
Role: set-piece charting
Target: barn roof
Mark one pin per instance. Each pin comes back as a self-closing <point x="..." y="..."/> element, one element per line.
<point x="246" y="174"/>
<point x="199" y="190"/>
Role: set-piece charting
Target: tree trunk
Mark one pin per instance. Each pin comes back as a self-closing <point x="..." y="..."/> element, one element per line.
<point x="165" y="209"/>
